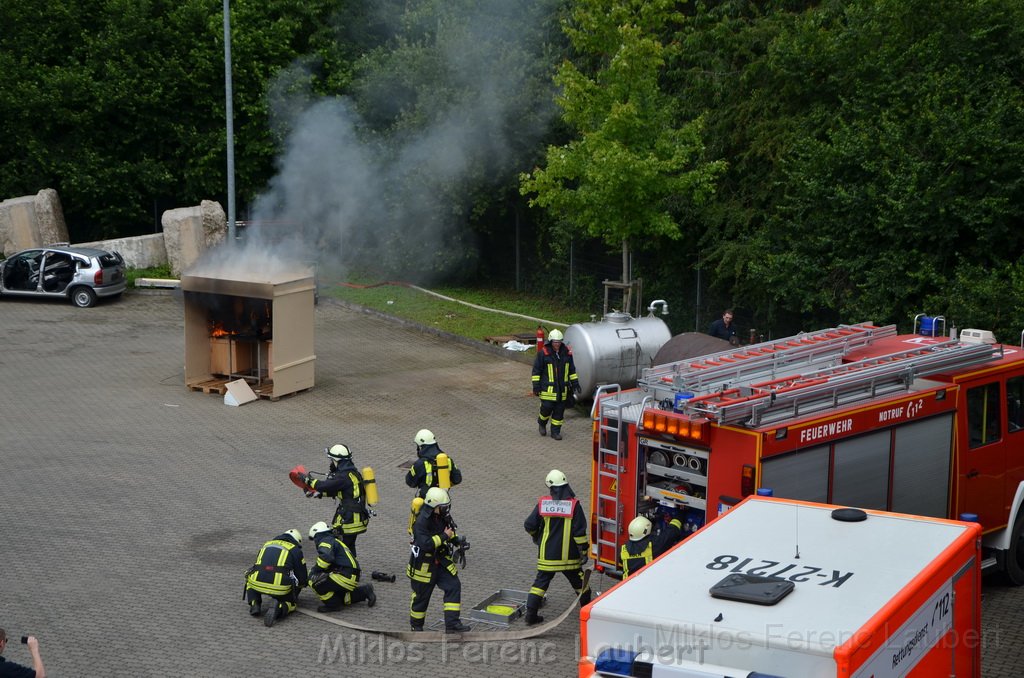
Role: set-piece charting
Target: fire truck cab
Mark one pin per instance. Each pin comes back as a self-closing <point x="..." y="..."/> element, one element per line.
<point x="856" y="415"/>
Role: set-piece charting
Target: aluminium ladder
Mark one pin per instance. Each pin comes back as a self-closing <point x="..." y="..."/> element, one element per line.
<point x="612" y="446"/>
<point x="766" y="360"/>
<point x="803" y="393"/>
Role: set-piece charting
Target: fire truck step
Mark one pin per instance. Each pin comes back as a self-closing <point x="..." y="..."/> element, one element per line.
<point x="989" y="564"/>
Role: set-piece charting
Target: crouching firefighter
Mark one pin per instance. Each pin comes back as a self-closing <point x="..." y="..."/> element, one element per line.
<point x="643" y="546"/>
<point x="431" y="563"/>
<point x="559" y="529"/>
<point x="335" y="576"/>
<point x="279" y="572"/>
<point x="345" y="483"/>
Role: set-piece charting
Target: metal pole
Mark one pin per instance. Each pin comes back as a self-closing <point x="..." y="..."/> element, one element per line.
<point x="229" y="113"/>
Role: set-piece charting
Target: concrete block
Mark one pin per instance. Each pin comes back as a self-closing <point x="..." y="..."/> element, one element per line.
<point x="141" y="251"/>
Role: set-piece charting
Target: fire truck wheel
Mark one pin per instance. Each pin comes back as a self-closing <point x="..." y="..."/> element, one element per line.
<point x="1015" y="554"/>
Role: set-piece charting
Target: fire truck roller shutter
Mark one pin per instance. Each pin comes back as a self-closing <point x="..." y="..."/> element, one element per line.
<point x="800" y="475"/>
<point x="919" y="454"/>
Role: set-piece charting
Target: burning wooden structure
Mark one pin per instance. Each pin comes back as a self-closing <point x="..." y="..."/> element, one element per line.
<point x="257" y="327"/>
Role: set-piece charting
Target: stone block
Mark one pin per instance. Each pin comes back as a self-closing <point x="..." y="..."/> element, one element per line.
<point x="50" y="217"/>
<point x="190" y="231"/>
<point x="31" y="221"/>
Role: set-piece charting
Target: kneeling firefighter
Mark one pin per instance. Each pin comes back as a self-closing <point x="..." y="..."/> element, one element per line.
<point x="559" y="529"/>
<point x="335" y="576"/>
<point x="431" y="563"/>
<point x="279" y="572"/>
<point x="352" y="489"/>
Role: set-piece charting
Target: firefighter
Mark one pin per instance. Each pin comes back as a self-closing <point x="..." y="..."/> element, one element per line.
<point x="559" y="529"/>
<point x="344" y="483"/>
<point x="431" y="562"/>
<point x="335" y="575"/>
<point x="643" y="546"/>
<point x="555" y="382"/>
<point x="279" y="572"/>
<point x="424" y="473"/>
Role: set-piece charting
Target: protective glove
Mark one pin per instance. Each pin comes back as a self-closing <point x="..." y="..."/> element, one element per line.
<point x="576" y="388"/>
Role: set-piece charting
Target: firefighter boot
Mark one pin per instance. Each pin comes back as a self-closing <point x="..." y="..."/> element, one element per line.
<point x="368" y="594"/>
<point x="255" y="599"/>
<point x="270" y="616"/>
<point x="532" y="617"/>
<point x="542" y="428"/>
<point x="556" y="432"/>
<point x="585" y="598"/>
<point x="456" y="627"/>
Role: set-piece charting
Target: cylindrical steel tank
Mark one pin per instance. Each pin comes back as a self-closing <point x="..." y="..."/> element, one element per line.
<point x="615" y="349"/>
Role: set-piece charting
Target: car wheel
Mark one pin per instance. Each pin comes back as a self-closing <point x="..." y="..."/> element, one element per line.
<point x="83" y="297"/>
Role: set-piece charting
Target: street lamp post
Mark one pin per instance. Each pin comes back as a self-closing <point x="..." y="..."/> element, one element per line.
<point x="230" y="115"/>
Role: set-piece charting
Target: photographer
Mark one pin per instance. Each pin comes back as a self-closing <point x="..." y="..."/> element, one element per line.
<point x="12" y="670"/>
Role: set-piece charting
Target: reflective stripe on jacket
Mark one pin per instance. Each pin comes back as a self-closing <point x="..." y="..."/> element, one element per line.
<point x="553" y="373"/>
<point x="561" y="539"/>
<point x="279" y="567"/>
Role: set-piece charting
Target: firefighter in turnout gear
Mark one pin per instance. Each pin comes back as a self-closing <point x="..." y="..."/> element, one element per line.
<point x="559" y="529"/>
<point x="335" y="575"/>
<point x="555" y="382"/>
<point x="344" y="483"/>
<point x="279" y="572"/>
<point x="643" y="546"/>
<point x="431" y="563"/>
<point x="424" y="473"/>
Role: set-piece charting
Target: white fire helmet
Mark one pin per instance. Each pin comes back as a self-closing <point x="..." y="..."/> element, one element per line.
<point x="424" y="437"/>
<point x="294" y="534"/>
<point x="437" y="496"/>
<point x="639" y="528"/>
<point x="318" y="528"/>
<point x="556" y="479"/>
<point x="339" y="452"/>
<point x="555" y="335"/>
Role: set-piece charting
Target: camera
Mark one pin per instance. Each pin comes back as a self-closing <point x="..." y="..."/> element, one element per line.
<point x="24" y="640"/>
<point x="382" y="576"/>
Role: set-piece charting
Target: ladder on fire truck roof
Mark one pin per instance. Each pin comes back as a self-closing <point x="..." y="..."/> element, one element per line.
<point x="611" y="437"/>
<point x="800" y="394"/>
<point x="766" y="360"/>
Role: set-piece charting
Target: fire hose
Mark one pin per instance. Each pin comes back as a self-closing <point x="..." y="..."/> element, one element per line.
<point x="440" y="636"/>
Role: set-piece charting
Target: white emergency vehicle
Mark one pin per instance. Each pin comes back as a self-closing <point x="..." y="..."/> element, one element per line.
<point x="778" y="587"/>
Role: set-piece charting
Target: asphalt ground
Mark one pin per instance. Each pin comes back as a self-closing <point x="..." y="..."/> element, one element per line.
<point x="131" y="506"/>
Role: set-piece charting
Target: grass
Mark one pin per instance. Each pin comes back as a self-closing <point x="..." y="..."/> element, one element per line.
<point x="449" y="316"/>
<point x="133" y="274"/>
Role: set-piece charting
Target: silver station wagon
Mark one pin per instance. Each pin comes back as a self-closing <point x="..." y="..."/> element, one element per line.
<point x="81" y="274"/>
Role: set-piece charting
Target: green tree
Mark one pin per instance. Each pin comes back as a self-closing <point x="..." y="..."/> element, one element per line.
<point x="119" y="105"/>
<point x="631" y="166"/>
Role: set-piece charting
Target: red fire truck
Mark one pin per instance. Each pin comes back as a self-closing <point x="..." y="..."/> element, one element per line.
<point x="856" y="415"/>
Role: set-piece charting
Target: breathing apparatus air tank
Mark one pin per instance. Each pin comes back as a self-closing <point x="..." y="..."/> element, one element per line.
<point x="616" y="349"/>
<point x="370" y="486"/>
<point x="444" y="471"/>
<point x="414" y="509"/>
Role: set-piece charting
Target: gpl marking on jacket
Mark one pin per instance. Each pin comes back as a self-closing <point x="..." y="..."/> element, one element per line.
<point x="774" y="568"/>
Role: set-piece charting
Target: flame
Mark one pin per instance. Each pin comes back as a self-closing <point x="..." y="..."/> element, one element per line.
<point x="219" y="331"/>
